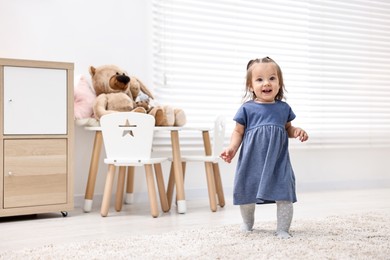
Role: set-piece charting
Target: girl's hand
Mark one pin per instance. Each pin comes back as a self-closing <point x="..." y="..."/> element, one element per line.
<point x="227" y="155"/>
<point x="235" y="142"/>
<point x="300" y="134"/>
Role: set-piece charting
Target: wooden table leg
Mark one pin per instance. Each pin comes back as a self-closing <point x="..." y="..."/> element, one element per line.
<point x="171" y="182"/>
<point x="93" y="169"/>
<point x="178" y="172"/>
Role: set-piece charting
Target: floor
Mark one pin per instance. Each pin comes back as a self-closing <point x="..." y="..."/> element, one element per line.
<point x="38" y="230"/>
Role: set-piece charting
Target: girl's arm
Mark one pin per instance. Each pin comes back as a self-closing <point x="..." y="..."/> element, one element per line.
<point x="235" y="141"/>
<point x="296" y="132"/>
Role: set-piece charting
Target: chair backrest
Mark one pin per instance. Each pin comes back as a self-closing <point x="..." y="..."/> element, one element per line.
<point x="219" y="134"/>
<point x="127" y="135"/>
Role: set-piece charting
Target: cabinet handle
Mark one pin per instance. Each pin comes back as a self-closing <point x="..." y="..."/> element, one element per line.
<point x="10" y="174"/>
<point x="10" y="100"/>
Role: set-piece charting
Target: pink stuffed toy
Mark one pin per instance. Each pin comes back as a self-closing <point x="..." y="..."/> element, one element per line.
<point x="84" y="96"/>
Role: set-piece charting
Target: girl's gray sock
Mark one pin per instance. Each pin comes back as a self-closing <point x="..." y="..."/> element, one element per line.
<point x="248" y="216"/>
<point x="284" y="217"/>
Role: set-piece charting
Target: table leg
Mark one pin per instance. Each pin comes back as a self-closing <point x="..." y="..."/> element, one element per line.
<point x="93" y="169"/>
<point x="178" y="172"/>
<point x="171" y="182"/>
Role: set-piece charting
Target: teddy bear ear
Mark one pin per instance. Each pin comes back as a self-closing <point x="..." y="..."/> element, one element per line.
<point x="92" y="70"/>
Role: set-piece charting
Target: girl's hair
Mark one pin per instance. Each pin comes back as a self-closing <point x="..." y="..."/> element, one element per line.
<point x="249" y="68"/>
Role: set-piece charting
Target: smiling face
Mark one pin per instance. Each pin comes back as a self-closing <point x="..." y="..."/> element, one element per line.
<point x="265" y="82"/>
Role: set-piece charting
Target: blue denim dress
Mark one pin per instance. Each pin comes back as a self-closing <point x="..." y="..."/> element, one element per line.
<point x="264" y="173"/>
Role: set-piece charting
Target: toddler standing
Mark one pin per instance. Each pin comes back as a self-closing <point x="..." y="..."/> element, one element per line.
<point x="263" y="125"/>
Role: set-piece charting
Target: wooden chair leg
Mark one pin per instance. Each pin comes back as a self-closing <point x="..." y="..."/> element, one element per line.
<point x="151" y="190"/>
<point x="211" y="186"/>
<point x="120" y="188"/>
<point x="161" y="187"/>
<point x="107" y="191"/>
<point x="171" y="185"/>
<point x="218" y="185"/>
<point x="129" y="199"/>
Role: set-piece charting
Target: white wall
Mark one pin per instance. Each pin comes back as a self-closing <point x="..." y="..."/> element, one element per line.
<point x="96" y="32"/>
<point x="88" y="32"/>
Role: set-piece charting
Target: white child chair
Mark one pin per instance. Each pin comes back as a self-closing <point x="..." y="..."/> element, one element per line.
<point x="127" y="138"/>
<point x="210" y="159"/>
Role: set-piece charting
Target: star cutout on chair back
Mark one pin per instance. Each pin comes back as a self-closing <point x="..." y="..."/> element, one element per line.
<point x="129" y="132"/>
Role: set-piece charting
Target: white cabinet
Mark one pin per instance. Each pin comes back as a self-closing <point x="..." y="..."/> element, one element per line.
<point x="36" y="137"/>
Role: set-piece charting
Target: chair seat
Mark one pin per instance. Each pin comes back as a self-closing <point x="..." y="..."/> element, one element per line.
<point x="134" y="162"/>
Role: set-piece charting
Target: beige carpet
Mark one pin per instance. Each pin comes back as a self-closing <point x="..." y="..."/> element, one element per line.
<point x="365" y="236"/>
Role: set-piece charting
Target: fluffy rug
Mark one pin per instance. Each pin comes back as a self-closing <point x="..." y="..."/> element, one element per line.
<point x="365" y="236"/>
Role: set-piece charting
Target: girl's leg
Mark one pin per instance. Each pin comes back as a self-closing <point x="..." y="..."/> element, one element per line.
<point x="284" y="216"/>
<point x="248" y="216"/>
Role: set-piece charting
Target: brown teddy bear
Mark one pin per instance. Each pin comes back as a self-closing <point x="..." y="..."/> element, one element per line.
<point x="117" y="92"/>
<point x="111" y="85"/>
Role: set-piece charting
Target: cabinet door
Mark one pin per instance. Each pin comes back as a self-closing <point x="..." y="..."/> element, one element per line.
<point x="35" y="100"/>
<point x="35" y="172"/>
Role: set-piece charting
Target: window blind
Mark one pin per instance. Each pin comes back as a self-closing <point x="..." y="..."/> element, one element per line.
<point x="335" y="58"/>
